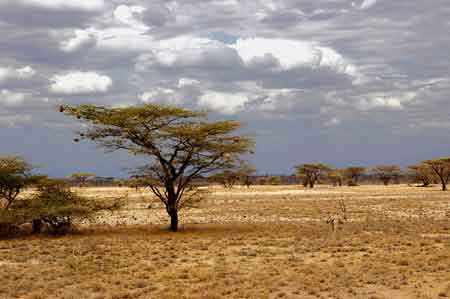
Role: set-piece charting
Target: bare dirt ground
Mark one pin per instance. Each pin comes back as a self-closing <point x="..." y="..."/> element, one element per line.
<point x="262" y="242"/>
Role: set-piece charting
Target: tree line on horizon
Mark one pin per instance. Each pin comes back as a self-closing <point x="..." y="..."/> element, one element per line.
<point x="181" y="147"/>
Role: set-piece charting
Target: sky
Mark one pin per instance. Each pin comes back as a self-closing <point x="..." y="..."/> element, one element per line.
<point x="346" y="82"/>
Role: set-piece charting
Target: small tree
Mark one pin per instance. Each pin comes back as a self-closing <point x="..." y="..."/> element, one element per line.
<point x="336" y="176"/>
<point x="15" y="176"/>
<point x="421" y="174"/>
<point x="245" y="173"/>
<point x="228" y="178"/>
<point x="275" y="180"/>
<point x="82" y="177"/>
<point x="386" y="173"/>
<point x="353" y="174"/>
<point x="311" y="173"/>
<point x="136" y="182"/>
<point x="181" y="144"/>
<point x="441" y="168"/>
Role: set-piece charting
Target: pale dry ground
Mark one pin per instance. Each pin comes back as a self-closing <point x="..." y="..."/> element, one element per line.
<point x="265" y="242"/>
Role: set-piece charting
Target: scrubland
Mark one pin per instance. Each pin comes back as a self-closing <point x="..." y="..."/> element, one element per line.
<point x="262" y="242"/>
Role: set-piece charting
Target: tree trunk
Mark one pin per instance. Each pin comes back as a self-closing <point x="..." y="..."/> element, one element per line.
<point x="444" y="184"/>
<point x="174" y="221"/>
<point x="36" y="226"/>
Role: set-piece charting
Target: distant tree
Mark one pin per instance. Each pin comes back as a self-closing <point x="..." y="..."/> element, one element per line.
<point x="228" y="178"/>
<point x="15" y="176"/>
<point x="240" y="173"/>
<point x="245" y="172"/>
<point x="136" y="182"/>
<point x="262" y="180"/>
<point x="82" y="177"/>
<point x="422" y="174"/>
<point x="311" y="173"/>
<point x="441" y="168"/>
<point x="386" y="173"/>
<point x="182" y="145"/>
<point x="353" y="174"/>
<point x="274" y="180"/>
<point x="336" y="176"/>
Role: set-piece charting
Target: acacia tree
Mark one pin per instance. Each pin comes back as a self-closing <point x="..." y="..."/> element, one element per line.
<point x="421" y="173"/>
<point x="311" y="173"/>
<point x="441" y="168"/>
<point x="354" y="173"/>
<point x="386" y="173"/>
<point x="15" y="176"/>
<point x="336" y="177"/>
<point x="81" y="177"/>
<point x="181" y="144"/>
<point x="227" y="178"/>
<point x="245" y="172"/>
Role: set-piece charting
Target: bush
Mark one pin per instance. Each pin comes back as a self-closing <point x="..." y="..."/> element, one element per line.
<point x="55" y="207"/>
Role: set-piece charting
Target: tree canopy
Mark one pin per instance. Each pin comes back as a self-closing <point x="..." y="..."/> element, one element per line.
<point x="82" y="177"/>
<point x="386" y="173"/>
<point x="311" y="173"/>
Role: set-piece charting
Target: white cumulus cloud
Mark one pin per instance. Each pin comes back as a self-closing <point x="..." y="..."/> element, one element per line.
<point x="188" y="51"/>
<point x="368" y="4"/>
<point x="130" y="16"/>
<point x="10" y="99"/>
<point x="162" y="96"/>
<point x="389" y="102"/>
<point x="80" y="83"/>
<point x="8" y="73"/>
<point x="83" y="39"/>
<point x="225" y="103"/>
<point x="183" y="82"/>
<point x="292" y="53"/>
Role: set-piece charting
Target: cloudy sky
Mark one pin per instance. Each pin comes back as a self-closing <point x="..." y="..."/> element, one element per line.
<point x="339" y="81"/>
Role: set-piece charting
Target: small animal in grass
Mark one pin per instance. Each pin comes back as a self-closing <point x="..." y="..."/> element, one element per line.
<point x="336" y="220"/>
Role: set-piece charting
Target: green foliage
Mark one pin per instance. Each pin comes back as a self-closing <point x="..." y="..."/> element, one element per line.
<point x="182" y="144"/>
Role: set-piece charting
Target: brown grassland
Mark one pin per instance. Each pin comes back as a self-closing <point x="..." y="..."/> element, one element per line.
<point x="262" y="242"/>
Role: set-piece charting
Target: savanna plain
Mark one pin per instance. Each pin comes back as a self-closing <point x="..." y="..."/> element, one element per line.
<point x="258" y="242"/>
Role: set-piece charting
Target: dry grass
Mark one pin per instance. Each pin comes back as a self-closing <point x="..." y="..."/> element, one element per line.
<point x="266" y="242"/>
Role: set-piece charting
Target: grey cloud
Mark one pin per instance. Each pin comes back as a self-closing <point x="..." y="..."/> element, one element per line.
<point x="18" y="13"/>
<point x="397" y="47"/>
